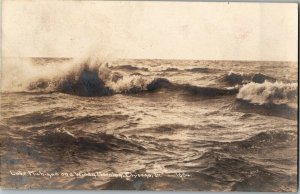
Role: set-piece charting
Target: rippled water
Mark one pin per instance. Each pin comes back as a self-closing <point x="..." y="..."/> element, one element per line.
<point x="191" y="125"/>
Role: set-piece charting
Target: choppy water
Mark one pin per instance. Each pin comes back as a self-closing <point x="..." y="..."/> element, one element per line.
<point x="195" y="125"/>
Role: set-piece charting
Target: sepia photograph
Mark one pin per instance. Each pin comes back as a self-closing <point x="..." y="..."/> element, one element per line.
<point x="149" y="95"/>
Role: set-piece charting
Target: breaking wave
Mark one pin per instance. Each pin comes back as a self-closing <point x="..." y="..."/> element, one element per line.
<point x="270" y="99"/>
<point x="89" y="77"/>
<point x="269" y="93"/>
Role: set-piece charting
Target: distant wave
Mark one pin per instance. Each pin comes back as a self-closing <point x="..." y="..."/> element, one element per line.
<point x="202" y="70"/>
<point x="234" y="78"/>
<point x="130" y="68"/>
<point x="171" y="69"/>
<point x="192" y="70"/>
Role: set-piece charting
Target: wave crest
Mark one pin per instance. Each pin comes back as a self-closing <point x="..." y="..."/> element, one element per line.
<point x="267" y="92"/>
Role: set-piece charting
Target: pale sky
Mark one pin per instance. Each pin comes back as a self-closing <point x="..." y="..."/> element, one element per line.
<point x="165" y="30"/>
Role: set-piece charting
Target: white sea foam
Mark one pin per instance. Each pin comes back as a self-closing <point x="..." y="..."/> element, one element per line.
<point x="84" y="74"/>
<point x="267" y="92"/>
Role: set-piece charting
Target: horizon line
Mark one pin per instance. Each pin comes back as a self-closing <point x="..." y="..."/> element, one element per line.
<point x="116" y="58"/>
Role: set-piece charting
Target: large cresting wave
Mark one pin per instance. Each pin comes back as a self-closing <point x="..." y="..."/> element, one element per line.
<point x="89" y="77"/>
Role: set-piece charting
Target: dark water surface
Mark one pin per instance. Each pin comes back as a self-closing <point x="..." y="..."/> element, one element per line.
<point x="178" y="125"/>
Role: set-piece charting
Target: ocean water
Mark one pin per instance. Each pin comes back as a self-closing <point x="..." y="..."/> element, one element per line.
<point x="148" y="124"/>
